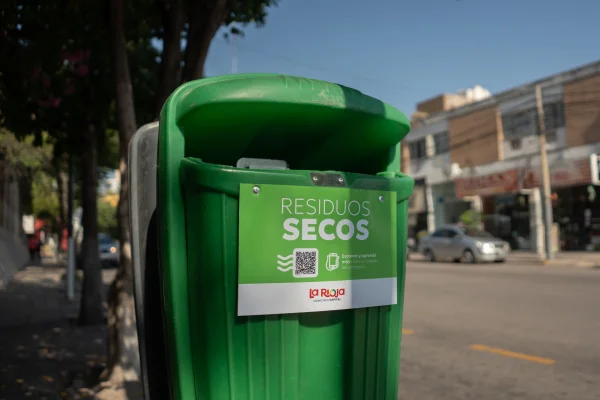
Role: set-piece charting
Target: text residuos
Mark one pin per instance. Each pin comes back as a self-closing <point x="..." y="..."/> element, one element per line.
<point x="328" y="228"/>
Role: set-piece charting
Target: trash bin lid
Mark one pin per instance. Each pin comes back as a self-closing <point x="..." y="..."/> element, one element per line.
<point x="309" y="123"/>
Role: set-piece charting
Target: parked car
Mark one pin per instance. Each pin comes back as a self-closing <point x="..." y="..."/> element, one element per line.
<point x="109" y="250"/>
<point x="463" y="244"/>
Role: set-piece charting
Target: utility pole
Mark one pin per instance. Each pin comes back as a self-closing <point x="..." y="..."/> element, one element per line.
<point x="71" y="240"/>
<point x="546" y="200"/>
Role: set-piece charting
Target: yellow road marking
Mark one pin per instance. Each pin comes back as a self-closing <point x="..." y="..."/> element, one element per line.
<point x="407" y="331"/>
<point x="512" y="354"/>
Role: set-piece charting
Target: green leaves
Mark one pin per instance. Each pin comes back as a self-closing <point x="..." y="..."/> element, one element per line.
<point x="45" y="201"/>
<point x="107" y="218"/>
<point x="23" y="155"/>
<point x="248" y="11"/>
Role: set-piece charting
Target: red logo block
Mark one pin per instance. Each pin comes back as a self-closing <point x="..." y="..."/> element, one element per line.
<point x="327" y="293"/>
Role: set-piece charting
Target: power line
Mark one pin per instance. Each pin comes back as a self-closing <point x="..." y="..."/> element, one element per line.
<point x="493" y="133"/>
<point x="517" y="107"/>
<point x="319" y="67"/>
<point x="484" y="124"/>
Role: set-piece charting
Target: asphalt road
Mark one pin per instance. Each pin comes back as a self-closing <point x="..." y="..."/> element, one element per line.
<point x="500" y="332"/>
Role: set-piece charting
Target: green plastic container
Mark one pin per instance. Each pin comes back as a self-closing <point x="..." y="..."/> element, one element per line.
<point x="206" y="126"/>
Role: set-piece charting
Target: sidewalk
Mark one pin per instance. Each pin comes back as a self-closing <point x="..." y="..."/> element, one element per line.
<point x="580" y="259"/>
<point x="562" y="259"/>
<point x="43" y="352"/>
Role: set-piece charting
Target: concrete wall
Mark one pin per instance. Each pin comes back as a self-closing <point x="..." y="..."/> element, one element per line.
<point x="433" y="105"/>
<point x="13" y="246"/>
<point x="430" y="168"/>
<point x="13" y="255"/>
<point x="446" y="206"/>
<point x="530" y="145"/>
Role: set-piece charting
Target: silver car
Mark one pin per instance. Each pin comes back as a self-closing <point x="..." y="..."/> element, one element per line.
<point x="463" y="244"/>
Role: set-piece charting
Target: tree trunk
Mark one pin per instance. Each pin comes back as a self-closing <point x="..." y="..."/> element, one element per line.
<point x="170" y="66"/>
<point x="123" y="358"/>
<point x="64" y="199"/>
<point x="91" y="311"/>
<point x="61" y="184"/>
<point x="205" y="18"/>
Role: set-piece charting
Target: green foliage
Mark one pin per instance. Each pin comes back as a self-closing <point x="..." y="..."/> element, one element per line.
<point x="56" y="70"/>
<point x="246" y="12"/>
<point x="44" y="196"/>
<point x="144" y="65"/>
<point x="33" y="164"/>
<point x="108" y="149"/>
<point x="471" y="219"/>
<point x="107" y="218"/>
<point x="22" y="154"/>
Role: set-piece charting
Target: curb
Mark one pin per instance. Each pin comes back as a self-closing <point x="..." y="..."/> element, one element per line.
<point x="534" y="261"/>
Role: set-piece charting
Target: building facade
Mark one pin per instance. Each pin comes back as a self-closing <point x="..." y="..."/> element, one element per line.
<point x="110" y="183"/>
<point x="482" y="153"/>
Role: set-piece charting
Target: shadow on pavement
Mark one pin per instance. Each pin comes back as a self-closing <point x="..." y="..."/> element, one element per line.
<point x="42" y="350"/>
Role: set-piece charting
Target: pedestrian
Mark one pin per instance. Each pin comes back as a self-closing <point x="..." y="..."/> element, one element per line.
<point x="38" y="250"/>
<point x="32" y="245"/>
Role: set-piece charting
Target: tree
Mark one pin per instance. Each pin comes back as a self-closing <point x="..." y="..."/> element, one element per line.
<point x="196" y="23"/>
<point x="33" y="167"/>
<point x="171" y="20"/>
<point x="56" y="79"/>
<point x="44" y="196"/>
<point x="22" y="154"/>
<point x="107" y="218"/>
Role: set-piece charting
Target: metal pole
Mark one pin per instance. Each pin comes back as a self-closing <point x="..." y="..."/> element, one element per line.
<point x="546" y="200"/>
<point x="71" y="241"/>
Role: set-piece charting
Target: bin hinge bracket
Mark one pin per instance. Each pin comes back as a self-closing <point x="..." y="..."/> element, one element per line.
<point x="261" y="163"/>
<point x="327" y="179"/>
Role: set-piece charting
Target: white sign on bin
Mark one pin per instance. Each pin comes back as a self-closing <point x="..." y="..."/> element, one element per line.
<point x="29" y="224"/>
<point x="595" y="168"/>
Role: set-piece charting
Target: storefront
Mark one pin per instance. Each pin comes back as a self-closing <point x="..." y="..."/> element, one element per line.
<point x="508" y="216"/>
<point x="505" y="212"/>
<point x="447" y="207"/>
<point x="577" y="211"/>
<point x="575" y="203"/>
<point x="512" y="208"/>
<point x="417" y="210"/>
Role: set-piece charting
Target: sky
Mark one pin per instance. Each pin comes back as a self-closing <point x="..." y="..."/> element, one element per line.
<point x="406" y="51"/>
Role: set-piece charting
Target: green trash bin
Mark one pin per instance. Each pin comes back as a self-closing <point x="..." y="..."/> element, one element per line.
<point x="282" y="217"/>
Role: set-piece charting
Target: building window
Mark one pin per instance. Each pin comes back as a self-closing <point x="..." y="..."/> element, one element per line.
<point x="524" y="123"/>
<point x="519" y="124"/>
<point x="554" y="119"/>
<point x="441" y="143"/>
<point x="418" y="149"/>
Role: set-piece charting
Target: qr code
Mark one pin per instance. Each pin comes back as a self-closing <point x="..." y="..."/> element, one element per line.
<point x="306" y="263"/>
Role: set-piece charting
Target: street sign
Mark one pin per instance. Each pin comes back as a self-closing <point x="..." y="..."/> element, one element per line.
<point x="306" y="249"/>
<point x="595" y="168"/>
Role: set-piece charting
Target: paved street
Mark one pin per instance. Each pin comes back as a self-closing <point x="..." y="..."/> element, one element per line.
<point x="500" y="332"/>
